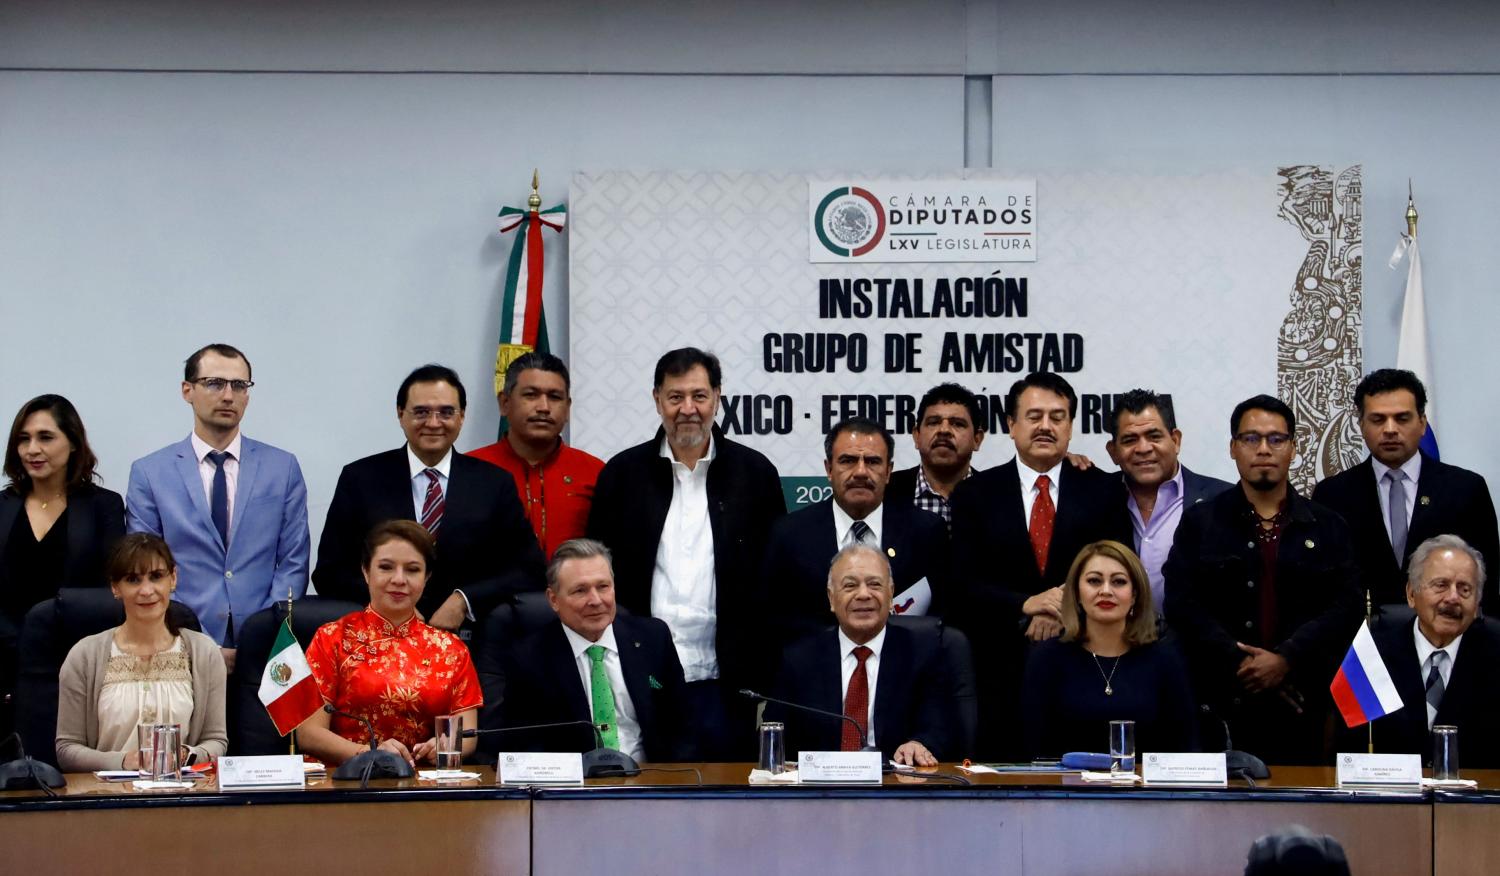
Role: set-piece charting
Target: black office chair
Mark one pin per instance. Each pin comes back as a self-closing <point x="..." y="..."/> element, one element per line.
<point x="1296" y="851"/>
<point x="51" y="629"/>
<point x="959" y="661"/>
<point x="518" y="618"/>
<point x="251" y="730"/>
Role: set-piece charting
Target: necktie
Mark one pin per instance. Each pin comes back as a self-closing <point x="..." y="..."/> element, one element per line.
<point x="1397" y="479"/>
<point x="432" y="505"/>
<point x="857" y="702"/>
<point x="1043" y="513"/>
<point x="603" y="697"/>
<point x="862" y="533"/>
<point x="218" y="497"/>
<point x="1435" y="679"/>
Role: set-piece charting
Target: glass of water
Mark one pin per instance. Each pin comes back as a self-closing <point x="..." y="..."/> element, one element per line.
<point x="143" y="746"/>
<point x="1122" y="746"/>
<point x="448" y="731"/>
<point x="1445" y="753"/>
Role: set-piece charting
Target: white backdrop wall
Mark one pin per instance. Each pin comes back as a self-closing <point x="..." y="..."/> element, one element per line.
<point x="317" y="182"/>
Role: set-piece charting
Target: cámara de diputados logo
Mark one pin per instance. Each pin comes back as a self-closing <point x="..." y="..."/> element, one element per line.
<point x="952" y="220"/>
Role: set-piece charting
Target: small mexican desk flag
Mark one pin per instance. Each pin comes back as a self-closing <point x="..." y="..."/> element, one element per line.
<point x="523" y="325"/>
<point x="287" y="688"/>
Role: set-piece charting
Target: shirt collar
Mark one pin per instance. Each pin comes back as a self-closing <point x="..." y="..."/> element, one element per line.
<point x="202" y="450"/>
<point x="924" y="486"/>
<point x="579" y="644"/>
<point x="509" y="452"/>
<point x="1425" y="648"/>
<point x="842" y="521"/>
<point x="1028" y="476"/>
<point x="380" y="622"/>
<point x="666" y="451"/>
<point x="417" y="466"/>
<point x="1164" y="497"/>
<point x="1412" y="468"/>
<point x="846" y="644"/>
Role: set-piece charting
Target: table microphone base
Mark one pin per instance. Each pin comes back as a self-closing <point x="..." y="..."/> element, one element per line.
<point x="609" y="762"/>
<point x="27" y="773"/>
<point x="383" y="765"/>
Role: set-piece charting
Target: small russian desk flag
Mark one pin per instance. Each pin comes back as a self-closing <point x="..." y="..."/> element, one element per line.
<point x="1363" y="688"/>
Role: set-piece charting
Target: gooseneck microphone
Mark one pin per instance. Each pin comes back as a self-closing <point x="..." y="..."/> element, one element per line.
<point x="24" y="772"/>
<point x="599" y="762"/>
<point x="858" y="728"/>
<point x="369" y="764"/>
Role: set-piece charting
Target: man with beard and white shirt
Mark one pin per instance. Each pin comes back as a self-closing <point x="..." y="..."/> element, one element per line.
<point x="1145" y="445"/>
<point x="687" y="515"/>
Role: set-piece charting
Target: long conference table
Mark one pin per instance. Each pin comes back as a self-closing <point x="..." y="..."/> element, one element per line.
<point x="668" y="823"/>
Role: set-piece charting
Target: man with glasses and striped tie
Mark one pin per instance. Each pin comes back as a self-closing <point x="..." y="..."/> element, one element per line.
<point x="485" y="548"/>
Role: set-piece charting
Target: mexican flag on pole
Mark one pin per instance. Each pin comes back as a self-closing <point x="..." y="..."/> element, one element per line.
<point x="523" y="325"/>
<point x="287" y="688"/>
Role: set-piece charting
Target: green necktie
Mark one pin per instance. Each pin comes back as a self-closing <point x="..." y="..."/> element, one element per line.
<point x="604" y="698"/>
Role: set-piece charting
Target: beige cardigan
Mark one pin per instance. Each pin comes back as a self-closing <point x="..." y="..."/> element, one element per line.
<point x="82" y="678"/>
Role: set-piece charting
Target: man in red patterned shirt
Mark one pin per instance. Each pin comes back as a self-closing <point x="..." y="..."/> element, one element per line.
<point x="555" y="481"/>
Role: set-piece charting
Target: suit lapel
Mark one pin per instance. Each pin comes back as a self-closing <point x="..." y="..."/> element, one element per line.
<point x="635" y="669"/>
<point x="1012" y="511"/>
<point x="891" y="684"/>
<point x="10" y="509"/>
<point x="1072" y="507"/>
<point x="1430" y="490"/>
<point x="1407" y="675"/>
<point x="81" y="535"/>
<point x="1368" y="493"/>
<point x="1469" y="656"/>
<point x="394" y="489"/>
<point x="566" y="677"/>
<point x="244" y="484"/>
<point x="828" y="688"/>
<point x="187" y="470"/>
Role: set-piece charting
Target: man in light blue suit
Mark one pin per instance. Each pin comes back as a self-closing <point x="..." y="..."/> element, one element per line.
<point x="233" y="510"/>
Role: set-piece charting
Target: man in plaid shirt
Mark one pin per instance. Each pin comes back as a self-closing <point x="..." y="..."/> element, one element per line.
<point x="950" y="427"/>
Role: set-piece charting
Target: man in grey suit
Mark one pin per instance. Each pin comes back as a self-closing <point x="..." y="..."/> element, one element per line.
<point x="1158" y="488"/>
<point x="233" y="510"/>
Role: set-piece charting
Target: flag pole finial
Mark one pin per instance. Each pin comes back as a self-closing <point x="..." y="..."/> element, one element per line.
<point x="1411" y="212"/>
<point x="535" y="200"/>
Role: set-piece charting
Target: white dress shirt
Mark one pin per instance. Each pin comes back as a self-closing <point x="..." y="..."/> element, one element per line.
<point x="1028" y="485"/>
<point x="683" y="585"/>
<point x="872" y="672"/>
<point x="1425" y="650"/>
<point x="843" y="523"/>
<point x="1412" y="468"/>
<point x="231" y="472"/>
<point x="419" y="482"/>
<point x="626" y="721"/>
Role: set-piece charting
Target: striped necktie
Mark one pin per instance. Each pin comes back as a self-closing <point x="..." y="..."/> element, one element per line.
<point x="432" y="505"/>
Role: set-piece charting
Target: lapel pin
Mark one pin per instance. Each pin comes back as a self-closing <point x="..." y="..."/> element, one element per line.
<point x="1426" y="500"/>
<point x="890" y="552"/>
<point x="637" y="644"/>
<point x="567" y="479"/>
<point x="1309" y="544"/>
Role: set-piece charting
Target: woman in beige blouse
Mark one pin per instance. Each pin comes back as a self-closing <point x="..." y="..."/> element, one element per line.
<point x="145" y="671"/>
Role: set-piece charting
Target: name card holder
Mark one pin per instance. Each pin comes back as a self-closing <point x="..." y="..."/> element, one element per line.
<point x="843" y="767"/>
<point x="261" y="772"/>
<point x="1403" y="770"/>
<point x="539" y="768"/>
<point x="1184" y="768"/>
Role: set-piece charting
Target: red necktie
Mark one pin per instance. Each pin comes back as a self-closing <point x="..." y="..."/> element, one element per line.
<point x="857" y="702"/>
<point x="1043" y="513"/>
<point x="432" y="503"/>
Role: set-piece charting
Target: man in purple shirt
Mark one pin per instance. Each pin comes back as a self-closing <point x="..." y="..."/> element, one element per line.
<point x="1157" y="488"/>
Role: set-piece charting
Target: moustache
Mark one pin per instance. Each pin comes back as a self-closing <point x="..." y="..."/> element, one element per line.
<point x="1452" y="612"/>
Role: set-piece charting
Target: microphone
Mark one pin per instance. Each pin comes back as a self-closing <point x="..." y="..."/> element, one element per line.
<point x="599" y="762"/>
<point x="858" y="728"/>
<point x="24" y="772"/>
<point x="367" y="764"/>
<point x="1239" y="763"/>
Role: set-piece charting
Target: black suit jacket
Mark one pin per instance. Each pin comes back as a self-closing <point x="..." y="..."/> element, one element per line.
<point x="803" y="543"/>
<point x="485" y="546"/>
<point x="992" y="544"/>
<point x="1200" y="488"/>
<point x="902" y="488"/>
<point x="543" y="686"/>
<point x="910" y="693"/>
<point x="1471" y="700"/>
<point x="630" y="507"/>
<point x="96" y="519"/>
<point x="1450" y="500"/>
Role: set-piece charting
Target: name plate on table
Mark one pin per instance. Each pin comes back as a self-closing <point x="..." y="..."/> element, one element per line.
<point x="840" y="766"/>
<point x="1184" y="768"/>
<point x="262" y="771"/>
<point x="1379" y="769"/>
<point x="540" y="768"/>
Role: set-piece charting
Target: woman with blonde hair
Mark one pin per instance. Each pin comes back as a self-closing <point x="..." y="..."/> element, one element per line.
<point x="1109" y="664"/>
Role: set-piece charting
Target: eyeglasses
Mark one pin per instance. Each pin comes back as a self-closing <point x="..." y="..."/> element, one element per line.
<point x="1441" y="587"/>
<point x="1251" y="440"/>
<point x="217" y="384"/>
<point x="446" y="413"/>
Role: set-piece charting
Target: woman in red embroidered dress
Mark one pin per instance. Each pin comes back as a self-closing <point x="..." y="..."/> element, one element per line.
<point x="388" y="666"/>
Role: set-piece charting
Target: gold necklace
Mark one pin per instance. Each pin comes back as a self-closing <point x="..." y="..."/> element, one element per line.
<point x="1109" y="689"/>
<point x="53" y="499"/>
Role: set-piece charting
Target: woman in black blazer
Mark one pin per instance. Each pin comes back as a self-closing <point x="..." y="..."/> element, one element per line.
<point x="56" y="525"/>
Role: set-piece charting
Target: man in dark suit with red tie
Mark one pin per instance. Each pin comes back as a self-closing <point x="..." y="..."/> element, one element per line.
<point x="485" y="548"/>
<point x="1016" y="530"/>
<point x="1431" y="497"/>
<point x="890" y="680"/>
